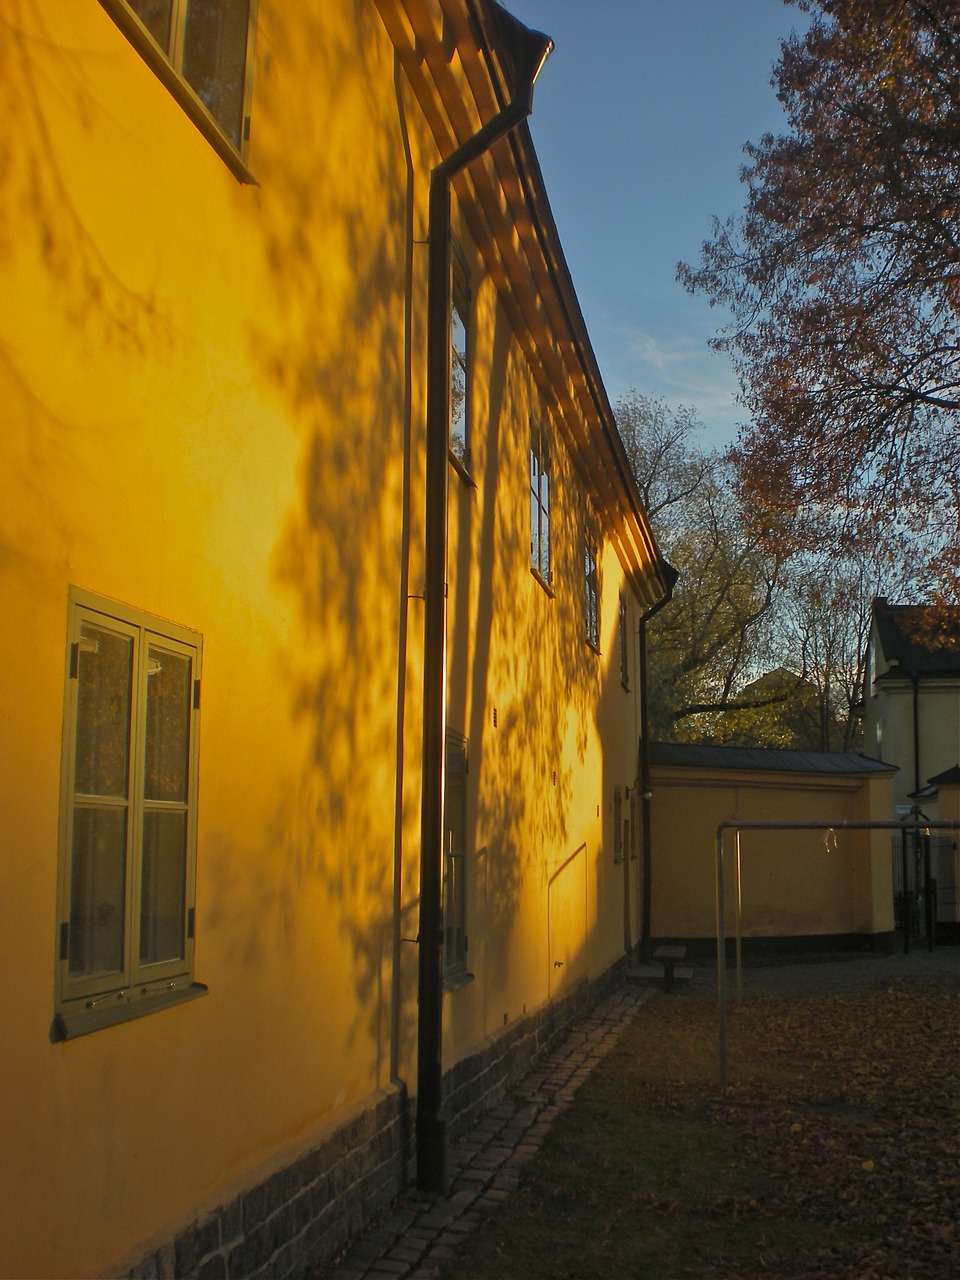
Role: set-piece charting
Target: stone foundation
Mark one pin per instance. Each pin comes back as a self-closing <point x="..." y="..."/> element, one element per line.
<point x="306" y="1213"/>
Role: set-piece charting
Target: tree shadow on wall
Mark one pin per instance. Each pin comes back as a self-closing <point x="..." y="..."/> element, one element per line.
<point x="37" y="67"/>
<point x="47" y="230"/>
<point x="523" y="655"/>
<point x="333" y="215"/>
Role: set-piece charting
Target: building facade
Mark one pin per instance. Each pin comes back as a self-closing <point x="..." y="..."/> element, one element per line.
<point x="812" y="890"/>
<point x="214" y="227"/>
<point x="912" y="694"/>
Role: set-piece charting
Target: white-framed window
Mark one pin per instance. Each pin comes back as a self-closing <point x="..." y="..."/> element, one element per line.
<point x="454" y="860"/>
<point x="203" y="52"/>
<point x="539" y="501"/>
<point x="591" y="589"/>
<point x="460" y="344"/>
<point x="128" y="815"/>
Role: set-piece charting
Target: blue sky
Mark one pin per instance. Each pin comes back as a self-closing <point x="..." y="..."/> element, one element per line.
<point x="639" y="119"/>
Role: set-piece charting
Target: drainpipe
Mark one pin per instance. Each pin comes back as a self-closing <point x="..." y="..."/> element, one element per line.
<point x="527" y="51"/>
<point x="646" y="943"/>
<point x="403" y="615"/>
<point x="915" y="682"/>
<point x="914" y="813"/>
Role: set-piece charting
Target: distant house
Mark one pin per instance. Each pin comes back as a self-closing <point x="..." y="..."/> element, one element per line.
<point x="791" y="712"/>
<point x="912" y="694"/>
<point x="912" y="719"/>
<point x="248" y="781"/>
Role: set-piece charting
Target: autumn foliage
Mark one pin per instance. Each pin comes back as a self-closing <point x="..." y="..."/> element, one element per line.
<point x="842" y="277"/>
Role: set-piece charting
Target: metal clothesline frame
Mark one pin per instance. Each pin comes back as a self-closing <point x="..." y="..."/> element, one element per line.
<point x="919" y="825"/>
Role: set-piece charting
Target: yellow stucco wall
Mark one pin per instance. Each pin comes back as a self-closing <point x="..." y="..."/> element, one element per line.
<point x="793" y="883"/>
<point x="889" y="728"/>
<point x="209" y="392"/>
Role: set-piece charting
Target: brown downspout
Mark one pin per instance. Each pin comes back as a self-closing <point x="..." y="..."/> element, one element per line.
<point x="646" y="943"/>
<point x="527" y="50"/>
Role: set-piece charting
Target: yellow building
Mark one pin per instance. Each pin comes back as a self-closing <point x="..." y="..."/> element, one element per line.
<point x="797" y="890"/>
<point x="223" y="743"/>
<point x="912" y="696"/>
<point x="911" y="718"/>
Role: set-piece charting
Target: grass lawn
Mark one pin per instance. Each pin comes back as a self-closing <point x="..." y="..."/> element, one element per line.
<point x="834" y="1153"/>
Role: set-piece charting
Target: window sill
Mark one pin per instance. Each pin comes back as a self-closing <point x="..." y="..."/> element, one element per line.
<point x="81" y="1020"/>
<point x="178" y="89"/>
<point x="591" y="644"/>
<point x="462" y="470"/>
<point x="538" y="577"/>
<point x="457" y="980"/>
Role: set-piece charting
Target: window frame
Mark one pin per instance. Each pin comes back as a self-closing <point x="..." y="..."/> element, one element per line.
<point x="460" y="304"/>
<point x="90" y="1001"/>
<point x="624" y="632"/>
<point x="591" y="584"/>
<point x="161" y="63"/>
<point x="540" y="471"/>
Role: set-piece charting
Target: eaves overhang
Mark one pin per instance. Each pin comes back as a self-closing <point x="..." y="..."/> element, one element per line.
<point x="448" y="50"/>
<point x="921" y="641"/>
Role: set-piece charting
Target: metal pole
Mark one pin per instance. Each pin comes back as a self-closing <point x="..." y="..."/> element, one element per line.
<point x="905" y="893"/>
<point x="646" y="797"/>
<point x="740" y="910"/>
<point x="929" y="899"/>
<point x="721" y="963"/>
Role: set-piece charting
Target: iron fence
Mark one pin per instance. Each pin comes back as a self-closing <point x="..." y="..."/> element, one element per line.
<point x="924" y="882"/>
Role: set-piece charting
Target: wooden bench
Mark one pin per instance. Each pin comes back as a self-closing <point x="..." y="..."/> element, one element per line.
<point x="668" y="957"/>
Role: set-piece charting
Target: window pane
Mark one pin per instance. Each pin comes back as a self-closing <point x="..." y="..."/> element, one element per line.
<point x="104" y="677"/>
<point x="624" y="642"/>
<point x="97" y="878"/>
<point x="214" y="59"/>
<point x="162" y="880"/>
<point x="591" y="593"/>
<point x="534" y="530"/>
<point x="545" y="524"/>
<point x="454" y="933"/>
<point x="539" y="505"/>
<point x="458" y="384"/>
<point x="544" y="546"/>
<point x="168" y="725"/>
<point x="155" y="16"/>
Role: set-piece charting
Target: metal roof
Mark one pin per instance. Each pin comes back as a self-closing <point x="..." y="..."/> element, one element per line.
<point x="922" y="639"/>
<point x="769" y="759"/>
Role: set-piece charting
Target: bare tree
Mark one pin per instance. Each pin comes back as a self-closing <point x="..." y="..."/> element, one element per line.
<point x="713" y="635"/>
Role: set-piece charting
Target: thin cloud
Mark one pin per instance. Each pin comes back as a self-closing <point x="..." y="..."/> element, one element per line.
<point x="673" y="368"/>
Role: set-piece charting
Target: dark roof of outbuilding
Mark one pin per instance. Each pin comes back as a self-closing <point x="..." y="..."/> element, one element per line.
<point x="947" y="777"/>
<point x="774" y="760"/>
<point x="919" y="639"/>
